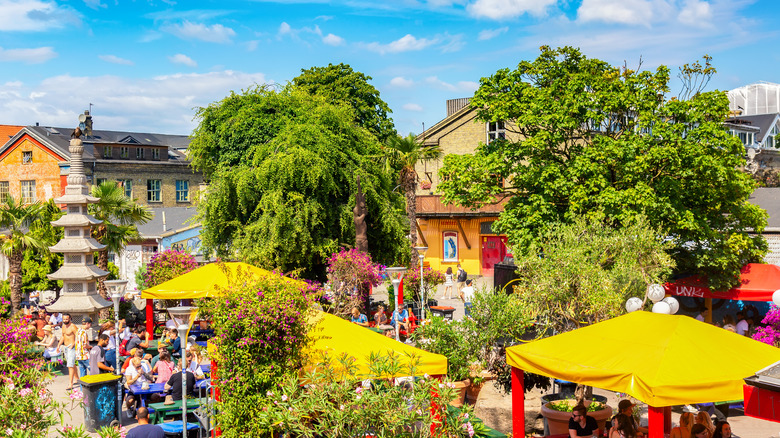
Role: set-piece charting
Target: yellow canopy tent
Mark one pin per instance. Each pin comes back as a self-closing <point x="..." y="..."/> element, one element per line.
<point x="201" y="282"/>
<point x="663" y="360"/>
<point x="334" y="336"/>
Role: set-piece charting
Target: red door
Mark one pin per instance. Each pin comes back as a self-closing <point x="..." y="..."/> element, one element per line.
<point x="493" y="251"/>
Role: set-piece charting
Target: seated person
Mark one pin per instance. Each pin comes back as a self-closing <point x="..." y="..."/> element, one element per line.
<point x="49" y="343"/>
<point x="403" y="317"/>
<point x="164" y="341"/>
<point x="135" y="339"/>
<point x="144" y="429"/>
<point x="380" y="317"/>
<point x="580" y="424"/>
<point x="135" y="352"/>
<point x="359" y="318"/>
<point x="173" y="336"/>
<point x="203" y="325"/>
<point x="173" y="386"/>
<point x="164" y="367"/>
<point x="193" y="366"/>
<point x="135" y="374"/>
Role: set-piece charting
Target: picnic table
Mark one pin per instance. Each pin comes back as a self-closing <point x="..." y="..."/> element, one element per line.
<point x="154" y="388"/>
<point x="161" y="410"/>
<point x="152" y="348"/>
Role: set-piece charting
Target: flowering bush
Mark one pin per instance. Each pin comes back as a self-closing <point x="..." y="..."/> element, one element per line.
<point x="431" y="279"/>
<point x="351" y="272"/>
<point x="449" y="338"/>
<point x="770" y="333"/>
<point x="167" y="265"/>
<point x="260" y="334"/>
<point x="5" y="307"/>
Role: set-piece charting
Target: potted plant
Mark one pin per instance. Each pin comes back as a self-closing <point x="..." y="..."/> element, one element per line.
<point x="557" y="414"/>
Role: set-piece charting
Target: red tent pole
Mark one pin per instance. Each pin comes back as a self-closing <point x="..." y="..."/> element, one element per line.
<point x="655" y="417"/>
<point x="518" y="404"/>
<point x="150" y="317"/>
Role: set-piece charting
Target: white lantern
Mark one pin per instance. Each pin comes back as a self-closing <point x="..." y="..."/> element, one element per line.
<point x="633" y="304"/>
<point x="674" y="305"/>
<point x="662" y="307"/>
<point x="655" y="292"/>
<point x="776" y="297"/>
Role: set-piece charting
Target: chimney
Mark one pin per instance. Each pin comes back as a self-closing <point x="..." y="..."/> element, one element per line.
<point x="164" y="227"/>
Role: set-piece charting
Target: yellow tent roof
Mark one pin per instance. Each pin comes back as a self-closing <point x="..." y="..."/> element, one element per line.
<point x="663" y="360"/>
<point x="201" y="282"/>
<point x="335" y="336"/>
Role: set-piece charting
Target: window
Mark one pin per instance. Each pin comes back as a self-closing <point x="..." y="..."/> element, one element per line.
<point x="99" y="181"/>
<point x="4" y="191"/>
<point x="26" y="157"/>
<point x="155" y="154"/>
<point x="28" y="192"/>
<point x="770" y="141"/>
<point x="153" y="190"/>
<point x="495" y="130"/>
<point x="107" y="151"/>
<point x="450" y="245"/>
<point x="124" y="152"/>
<point x="139" y="153"/>
<point x="127" y="184"/>
<point x="182" y="191"/>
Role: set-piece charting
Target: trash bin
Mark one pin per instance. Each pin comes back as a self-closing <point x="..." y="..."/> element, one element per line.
<point x="100" y="403"/>
<point x="504" y="274"/>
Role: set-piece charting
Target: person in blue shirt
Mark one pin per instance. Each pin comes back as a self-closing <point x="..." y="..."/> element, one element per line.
<point x="176" y="343"/>
<point x="403" y="317"/>
<point x="359" y="318"/>
<point x="144" y="429"/>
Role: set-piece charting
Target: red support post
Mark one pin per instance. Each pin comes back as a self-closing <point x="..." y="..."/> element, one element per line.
<point x="668" y="420"/>
<point x="655" y="417"/>
<point x="215" y="393"/>
<point x="518" y="403"/>
<point x="150" y="317"/>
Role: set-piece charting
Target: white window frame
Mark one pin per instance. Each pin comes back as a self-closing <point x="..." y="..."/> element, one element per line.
<point x="127" y="185"/>
<point x="495" y="130"/>
<point x="28" y="191"/>
<point x="5" y="190"/>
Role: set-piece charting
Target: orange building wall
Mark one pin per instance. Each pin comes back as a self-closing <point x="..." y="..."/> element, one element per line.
<point x="469" y="259"/>
<point x="44" y="169"/>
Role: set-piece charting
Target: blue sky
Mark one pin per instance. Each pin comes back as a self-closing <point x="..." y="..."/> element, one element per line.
<point x="145" y="65"/>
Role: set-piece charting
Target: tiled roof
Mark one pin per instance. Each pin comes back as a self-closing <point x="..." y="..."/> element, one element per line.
<point x="8" y="131"/>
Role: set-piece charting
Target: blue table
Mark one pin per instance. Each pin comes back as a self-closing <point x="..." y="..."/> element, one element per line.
<point x="205" y="367"/>
<point x="154" y="388"/>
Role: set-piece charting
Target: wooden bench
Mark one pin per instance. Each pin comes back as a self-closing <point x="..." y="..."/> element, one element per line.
<point x="161" y="410"/>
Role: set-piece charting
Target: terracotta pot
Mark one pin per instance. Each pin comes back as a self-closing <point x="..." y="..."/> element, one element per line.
<point x="558" y="421"/>
<point x="472" y="393"/>
<point x="460" y="390"/>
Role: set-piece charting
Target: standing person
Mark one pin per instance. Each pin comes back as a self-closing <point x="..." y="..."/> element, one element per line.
<point x="40" y="323"/>
<point x="144" y="429"/>
<point x="448" y="283"/>
<point x="97" y="357"/>
<point x="461" y="277"/>
<point x="82" y="346"/>
<point x="467" y="295"/>
<point x="702" y="316"/>
<point x="35" y="296"/>
<point x="684" y="429"/>
<point x="109" y="330"/>
<point x="722" y="430"/>
<point x="742" y="324"/>
<point x="68" y="340"/>
<point x="580" y="424"/>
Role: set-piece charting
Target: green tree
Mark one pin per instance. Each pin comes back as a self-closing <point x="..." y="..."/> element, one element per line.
<point x="39" y="262"/>
<point x="339" y="83"/>
<point x="403" y="154"/>
<point x="121" y="216"/>
<point x="19" y="223"/>
<point x="591" y="139"/>
<point x="286" y="202"/>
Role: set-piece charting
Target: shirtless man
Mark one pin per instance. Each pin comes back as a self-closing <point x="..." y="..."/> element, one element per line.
<point x="69" y="331"/>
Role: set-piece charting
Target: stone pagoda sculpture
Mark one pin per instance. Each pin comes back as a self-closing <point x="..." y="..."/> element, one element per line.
<point x="78" y="295"/>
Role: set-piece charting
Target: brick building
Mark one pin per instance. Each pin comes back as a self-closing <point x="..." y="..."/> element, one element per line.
<point x="455" y="234"/>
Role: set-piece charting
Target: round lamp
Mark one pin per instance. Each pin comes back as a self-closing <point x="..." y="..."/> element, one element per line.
<point x="633" y="304"/>
<point x="674" y="305"/>
<point x="662" y="307"/>
<point x="655" y="292"/>
<point x="776" y="297"/>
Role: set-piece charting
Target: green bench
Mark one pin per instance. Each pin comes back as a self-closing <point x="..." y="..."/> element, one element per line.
<point x="161" y="410"/>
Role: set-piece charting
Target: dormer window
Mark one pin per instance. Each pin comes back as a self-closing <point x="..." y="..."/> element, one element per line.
<point x="139" y="153"/>
<point x="107" y="151"/>
<point x="155" y="154"/>
<point x="124" y="152"/>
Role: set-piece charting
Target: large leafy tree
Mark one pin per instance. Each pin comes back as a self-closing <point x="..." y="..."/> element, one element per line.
<point x="121" y="217"/>
<point x="403" y="154"/>
<point x="605" y="142"/>
<point x="282" y="167"/>
<point x="19" y="231"/>
<point x="339" y="83"/>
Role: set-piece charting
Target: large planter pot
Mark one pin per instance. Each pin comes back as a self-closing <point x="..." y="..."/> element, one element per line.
<point x="472" y="393"/>
<point x="460" y="390"/>
<point x="558" y="421"/>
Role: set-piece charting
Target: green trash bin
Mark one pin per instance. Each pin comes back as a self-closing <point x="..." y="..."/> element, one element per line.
<point x="100" y="403"/>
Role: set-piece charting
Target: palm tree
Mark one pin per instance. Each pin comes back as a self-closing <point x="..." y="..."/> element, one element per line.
<point x="120" y="216"/>
<point x="403" y="154"/>
<point x="15" y="238"/>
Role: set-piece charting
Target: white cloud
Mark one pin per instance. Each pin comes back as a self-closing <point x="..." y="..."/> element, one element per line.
<point x="94" y="4"/>
<point x="632" y="12"/>
<point x="333" y="40"/>
<point x="406" y="43"/>
<point x="116" y="60"/>
<point x="161" y="104"/>
<point x="489" y="34"/>
<point x="324" y="17"/>
<point x="462" y="86"/>
<point x="28" y="56"/>
<point x="35" y="15"/>
<point x="412" y="107"/>
<point x="183" y="59"/>
<point x="251" y="46"/>
<point x="696" y="13"/>
<point x="401" y="82"/>
<point x="508" y="9"/>
<point x="187" y="30"/>
<point x="284" y="28"/>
